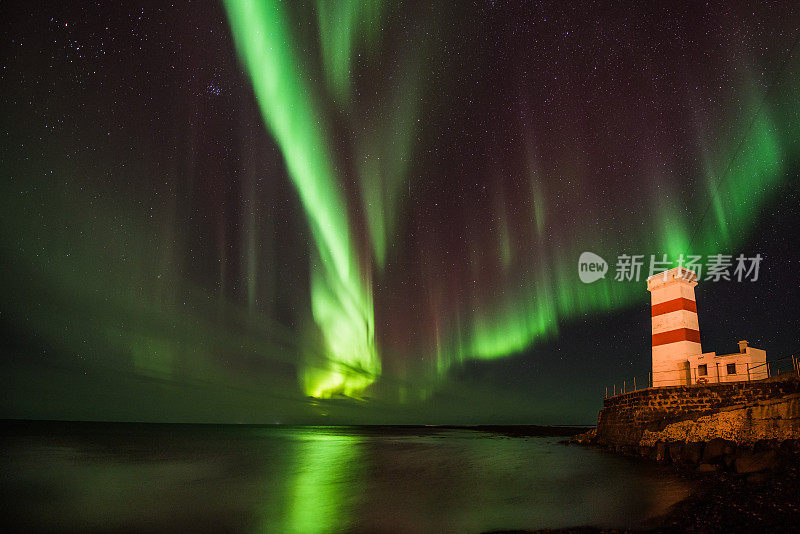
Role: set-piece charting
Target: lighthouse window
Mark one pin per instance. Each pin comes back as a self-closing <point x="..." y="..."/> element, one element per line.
<point x="702" y="370"/>
<point x="731" y="368"/>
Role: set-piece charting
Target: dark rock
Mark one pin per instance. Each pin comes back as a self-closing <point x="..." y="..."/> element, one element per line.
<point x="693" y="451"/>
<point x="716" y="448"/>
<point x="762" y="445"/>
<point x="756" y="461"/>
<point x="587" y="438"/>
<point x="707" y="468"/>
<point x="676" y="451"/>
<point x="758" y="478"/>
<point x="786" y="446"/>
<point x="660" y="452"/>
<point x="728" y="459"/>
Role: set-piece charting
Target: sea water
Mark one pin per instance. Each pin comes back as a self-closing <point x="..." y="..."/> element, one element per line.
<point x="190" y="478"/>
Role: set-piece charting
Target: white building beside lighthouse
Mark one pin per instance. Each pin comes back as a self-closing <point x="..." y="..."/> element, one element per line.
<point x="677" y="356"/>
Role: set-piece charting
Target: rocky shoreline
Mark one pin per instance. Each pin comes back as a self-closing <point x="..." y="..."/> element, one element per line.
<point x="763" y="501"/>
<point x="753" y="487"/>
<point x="735" y="488"/>
<point x="716" y="455"/>
<point x="738" y="445"/>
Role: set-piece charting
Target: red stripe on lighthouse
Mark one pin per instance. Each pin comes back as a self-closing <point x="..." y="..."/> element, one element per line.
<point x="679" y="303"/>
<point x="673" y="336"/>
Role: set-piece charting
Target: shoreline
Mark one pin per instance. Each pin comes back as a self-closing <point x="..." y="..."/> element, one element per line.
<point x="738" y="445"/>
<point x="723" y="501"/>
<point x="718" y="501"/>
<point x="731" y="502"/>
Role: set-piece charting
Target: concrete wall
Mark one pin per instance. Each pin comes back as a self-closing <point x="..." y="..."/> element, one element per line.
<point x="749" y="366"/>
<point x="624" y="418"/>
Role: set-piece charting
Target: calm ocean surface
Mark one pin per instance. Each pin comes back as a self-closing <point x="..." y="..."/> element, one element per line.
<point x="181" y="478"/>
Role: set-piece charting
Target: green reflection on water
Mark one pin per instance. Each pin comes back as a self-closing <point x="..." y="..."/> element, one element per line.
<point x="321" y="491"/>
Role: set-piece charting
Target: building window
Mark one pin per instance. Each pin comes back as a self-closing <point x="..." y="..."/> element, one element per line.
<point x="731" y="368"/>
<point x="702" y="370"/>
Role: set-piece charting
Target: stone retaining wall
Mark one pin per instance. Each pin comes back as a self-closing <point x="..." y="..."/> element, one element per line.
<point x="625" y="419"/>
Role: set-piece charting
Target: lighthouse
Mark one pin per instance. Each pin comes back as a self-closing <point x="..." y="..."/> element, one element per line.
<point x="676" y="332"/>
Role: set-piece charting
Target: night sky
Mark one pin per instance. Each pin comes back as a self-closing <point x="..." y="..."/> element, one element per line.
<point x="365" y="212"/>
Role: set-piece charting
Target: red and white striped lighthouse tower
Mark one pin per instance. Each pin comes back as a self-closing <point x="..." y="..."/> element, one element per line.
<point x="676" y="332"/>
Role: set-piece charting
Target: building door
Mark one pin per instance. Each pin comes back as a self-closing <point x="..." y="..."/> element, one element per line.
<point x="685" y="373"/>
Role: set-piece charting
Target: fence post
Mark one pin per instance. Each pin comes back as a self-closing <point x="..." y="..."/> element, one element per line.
<point x="748" y="371"/>
<point x="650" y="376"/>
<point x="623" y="386"/>
<point x="606" y="393"/>
<point x="634" y="383"/>
<point x="615" y="389"/>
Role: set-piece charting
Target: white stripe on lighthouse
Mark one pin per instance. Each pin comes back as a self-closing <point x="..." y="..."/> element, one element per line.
<point x="675" y="320"/>
<point x="670" y="292"/>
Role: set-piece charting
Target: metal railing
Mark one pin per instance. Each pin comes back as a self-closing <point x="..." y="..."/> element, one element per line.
<point x="787" y="364"/>
<point x="773" y="368"/>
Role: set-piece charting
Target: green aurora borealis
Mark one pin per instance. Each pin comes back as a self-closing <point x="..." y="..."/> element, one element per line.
<point x="353" y="202"/>
<point x="342" y="299"/>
